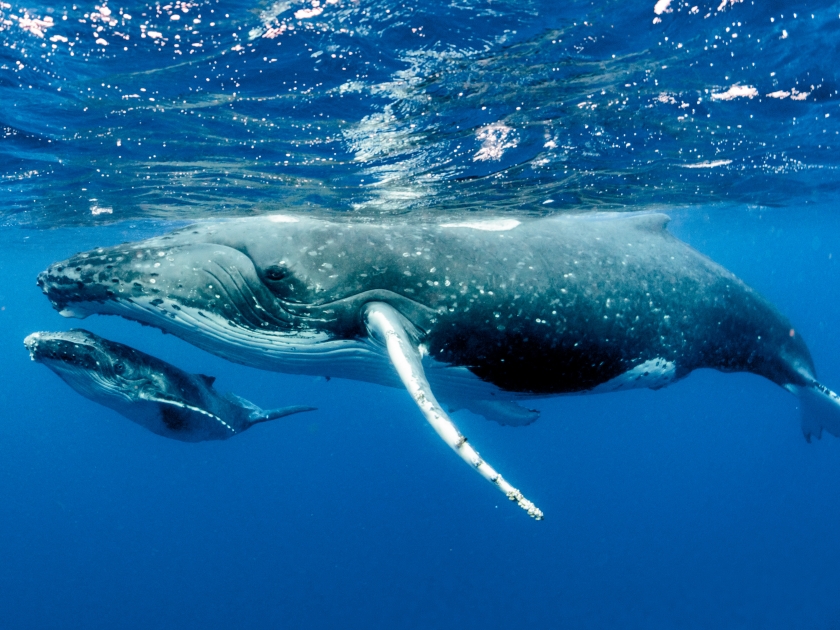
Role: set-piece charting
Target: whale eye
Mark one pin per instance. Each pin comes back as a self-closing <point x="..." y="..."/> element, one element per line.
<point x="119" y="369"/>
<point x="274" y="273"/>
<point x="281" y="281"/>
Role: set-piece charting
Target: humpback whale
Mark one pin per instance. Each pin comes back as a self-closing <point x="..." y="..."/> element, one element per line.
<point x="151" y="392"/>
<point x="475" y="313"/>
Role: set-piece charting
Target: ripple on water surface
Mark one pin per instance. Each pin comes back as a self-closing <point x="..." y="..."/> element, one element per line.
<point x="189" y="109"/>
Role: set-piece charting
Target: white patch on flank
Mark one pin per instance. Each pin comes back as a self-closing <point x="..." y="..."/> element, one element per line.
<point x="282" y="218"/>
<point x="736" y="91"/>
<point x="653" y="374"/>
<point x="490" y="225"/>
<point x="69" y="312"/>
<point x="712" y="164"/>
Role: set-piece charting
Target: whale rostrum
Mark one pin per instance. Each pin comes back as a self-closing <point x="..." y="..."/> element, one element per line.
<point x="154" y="394"/>
<point x="478" y="314"/>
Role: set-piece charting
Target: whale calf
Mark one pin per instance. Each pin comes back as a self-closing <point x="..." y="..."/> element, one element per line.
<point x="154" y="394"/>
<point x="477" y="313"/>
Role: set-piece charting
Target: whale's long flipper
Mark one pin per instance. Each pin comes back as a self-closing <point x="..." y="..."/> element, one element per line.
<point x="386" y="325"/>
<point x="820" y="410"/>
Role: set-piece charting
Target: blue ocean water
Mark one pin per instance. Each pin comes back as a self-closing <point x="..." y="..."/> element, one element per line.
<point x="695" y="506"/>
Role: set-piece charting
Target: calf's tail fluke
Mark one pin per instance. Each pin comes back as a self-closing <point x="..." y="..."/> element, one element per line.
<point x="820" y="410"/>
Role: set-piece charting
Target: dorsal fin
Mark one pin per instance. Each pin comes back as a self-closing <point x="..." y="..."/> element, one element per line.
<point x="241" y="402"/>
<point x="208" y="380"/>
<point x="653" y="222"/>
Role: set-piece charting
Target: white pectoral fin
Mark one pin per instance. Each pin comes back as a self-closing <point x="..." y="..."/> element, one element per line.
<point x="264" y="415"/>
<point x="386" y="325"/>
<point x="820" y="410"/>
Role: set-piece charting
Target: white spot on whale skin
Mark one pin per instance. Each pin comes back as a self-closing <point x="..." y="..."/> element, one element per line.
<point x="282" y="218"/>
<point x="653" y="374"/>
<point x="490" y="225"/>
<point x="31" y="343"/>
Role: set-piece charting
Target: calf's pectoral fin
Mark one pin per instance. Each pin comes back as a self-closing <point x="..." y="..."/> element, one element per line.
<point x="264" y="415"/>
<point x="820" y="409"/>
<point x="388" y="327"/>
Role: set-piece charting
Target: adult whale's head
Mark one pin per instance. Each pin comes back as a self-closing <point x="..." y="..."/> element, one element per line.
<point x="242" y="288"/>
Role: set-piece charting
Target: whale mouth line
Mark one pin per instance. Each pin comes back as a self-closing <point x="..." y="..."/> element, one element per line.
<point x="208" y="322"/>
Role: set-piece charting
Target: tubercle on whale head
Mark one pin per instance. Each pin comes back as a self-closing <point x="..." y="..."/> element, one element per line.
<point x="67" y="289"/>
<point x="87" y="358"/>
<point x="74" y="347"/>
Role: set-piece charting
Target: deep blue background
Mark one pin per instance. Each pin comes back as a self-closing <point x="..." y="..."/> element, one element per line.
<point x="695" y="506"/>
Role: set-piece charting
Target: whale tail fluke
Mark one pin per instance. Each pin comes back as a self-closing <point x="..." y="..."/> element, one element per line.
<point x="256" y="414"/>
<point x="820" y="410"/>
